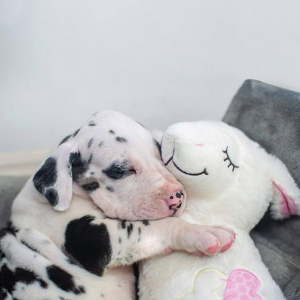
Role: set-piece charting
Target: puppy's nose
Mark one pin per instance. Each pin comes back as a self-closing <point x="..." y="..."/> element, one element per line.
<point x="175" y="198"/>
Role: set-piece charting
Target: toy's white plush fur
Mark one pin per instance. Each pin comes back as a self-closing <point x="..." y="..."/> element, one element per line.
<point x="239" y="181"/>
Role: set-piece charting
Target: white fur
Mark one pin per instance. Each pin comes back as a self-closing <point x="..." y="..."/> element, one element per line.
<point x="237" y="199"/>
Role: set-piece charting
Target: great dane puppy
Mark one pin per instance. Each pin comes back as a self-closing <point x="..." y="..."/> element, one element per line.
<point x="86" y="212"/>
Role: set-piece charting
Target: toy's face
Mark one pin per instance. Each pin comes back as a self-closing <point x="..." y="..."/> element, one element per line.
<point x="203" y="156"/>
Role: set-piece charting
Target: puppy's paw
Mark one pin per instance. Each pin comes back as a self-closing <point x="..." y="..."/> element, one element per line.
<point x="224" y="235"/>
<point x="206" y="239"/>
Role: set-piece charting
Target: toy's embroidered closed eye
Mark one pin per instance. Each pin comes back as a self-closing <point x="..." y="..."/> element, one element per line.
<point x="182" y="171"/>
<point x="230" y="161"/>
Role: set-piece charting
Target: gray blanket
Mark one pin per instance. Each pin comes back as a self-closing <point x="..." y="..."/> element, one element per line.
<point x="10" y="186"/>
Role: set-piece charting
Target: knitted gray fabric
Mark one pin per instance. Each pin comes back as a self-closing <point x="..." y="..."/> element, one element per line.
<point x="10" y="186"/>
<point x="270" y="116"/>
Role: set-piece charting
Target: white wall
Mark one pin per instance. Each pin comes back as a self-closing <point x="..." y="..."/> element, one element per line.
<point x="159" y="61"/>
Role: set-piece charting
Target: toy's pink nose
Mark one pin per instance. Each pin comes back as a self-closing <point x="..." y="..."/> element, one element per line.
<point x="174" y="199"/>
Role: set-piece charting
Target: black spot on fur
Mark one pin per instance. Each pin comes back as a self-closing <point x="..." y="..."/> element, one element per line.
<point x="146" y="222"/>
<point x="136" y="273"/>
<point x="63" y="280"/>
<point x="3" y="294"/>
<point x="89" y="244"/>
<point x="121" y="139"/>
<point x="90" y="158"/>
<point x="92" y="124"/>
<point x="140" y="230"/>
<point x="129" y="229"/>
<point x="157" y="144"/>
<point x="45" y="177"/>
<point x="31" y="248"/>
<point x="90" y="143"/>
<point x="3" y="233"/>
<point x="75" y="133"/>
<point x="100" y="144"/>
<point x="11" y="228"/>
<point x="9" y="278"/>
<point x="52" y="196"/>
<point x="111" y="132"/>
<point x="65" y="139"/>
<point x="43" y="284"/>
<point x="2" y="255"/>
<point x="120" y="240"/>
<point x="92" y="186"/>
<point x="79" y="166"/>
<point x="118" y="170"/>
<point x="123" y="224"/>
<point x="110" y="189"/>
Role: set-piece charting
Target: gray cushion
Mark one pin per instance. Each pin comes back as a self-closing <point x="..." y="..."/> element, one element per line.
<point x="270" y="116"/>
<point x="10" y="186"/>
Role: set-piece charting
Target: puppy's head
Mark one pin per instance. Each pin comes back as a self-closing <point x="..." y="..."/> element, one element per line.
<point x="114" y="161"/>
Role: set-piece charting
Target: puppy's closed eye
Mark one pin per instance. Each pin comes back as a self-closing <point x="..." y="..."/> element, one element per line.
<point x="92" y="186"/>
<point x="118" y="170"/>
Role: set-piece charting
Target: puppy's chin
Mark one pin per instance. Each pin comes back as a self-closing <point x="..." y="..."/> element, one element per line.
<point x="142" y="214"/>
<point x="145" y="213"/>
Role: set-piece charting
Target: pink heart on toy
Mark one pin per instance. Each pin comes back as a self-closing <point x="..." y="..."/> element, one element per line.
<point x="241" y="285"/>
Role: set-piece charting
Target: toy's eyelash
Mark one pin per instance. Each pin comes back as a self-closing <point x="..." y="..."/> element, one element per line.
<point x="230" y="161"/>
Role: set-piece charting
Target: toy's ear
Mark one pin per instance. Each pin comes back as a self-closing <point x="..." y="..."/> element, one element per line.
<point x="54" y="178"/>
<point x="286" y="194"/>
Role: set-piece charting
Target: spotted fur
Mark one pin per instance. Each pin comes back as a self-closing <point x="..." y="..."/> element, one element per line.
<point x="91" y="182"/>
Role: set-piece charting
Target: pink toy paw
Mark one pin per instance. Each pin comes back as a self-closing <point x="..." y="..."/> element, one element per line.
<point x="242" y="285"/>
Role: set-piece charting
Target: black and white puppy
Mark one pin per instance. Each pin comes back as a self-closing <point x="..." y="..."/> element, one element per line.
<point x="85" y="215"/>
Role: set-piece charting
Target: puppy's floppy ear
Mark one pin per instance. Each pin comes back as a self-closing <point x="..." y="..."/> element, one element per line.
<point x="286" y="194"/>
<point x="54" y="178"/>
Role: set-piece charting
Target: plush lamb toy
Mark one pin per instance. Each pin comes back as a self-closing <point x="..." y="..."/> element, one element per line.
<point x="231" y="181"/>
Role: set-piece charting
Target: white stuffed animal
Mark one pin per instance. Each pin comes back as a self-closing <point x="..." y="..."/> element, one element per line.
<point x="230" y="181"/>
